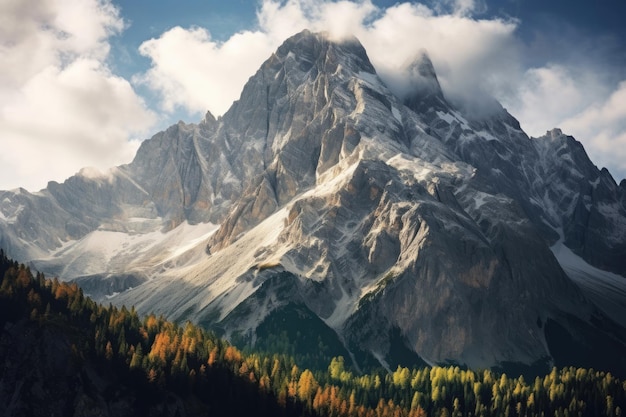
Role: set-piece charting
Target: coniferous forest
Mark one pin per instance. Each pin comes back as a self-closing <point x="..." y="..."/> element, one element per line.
<point x="63" y="354"/>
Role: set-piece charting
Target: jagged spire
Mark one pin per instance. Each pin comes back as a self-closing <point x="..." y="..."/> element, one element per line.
<point x="425" y="91"/>
<point x="309" y="48"/>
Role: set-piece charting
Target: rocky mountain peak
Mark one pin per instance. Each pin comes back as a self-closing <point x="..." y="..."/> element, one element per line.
<point x="301" y="70"/>
<point x="209" y="119"/>
<point x="423" y="73"/>
<point x="324" y="53"/>
<point x="425" y="91"/>
<point x="554" y="133"/>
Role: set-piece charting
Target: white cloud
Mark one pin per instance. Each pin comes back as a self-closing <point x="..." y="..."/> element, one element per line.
<point x="578" y="101"/>
<point x="459" y="47"/>
<point x="341" y="18"/>
<point x="193" y="72"/>
<point x="61" y="108"/>
<point x="603" y="127"/>
<point x="548" y="95"/>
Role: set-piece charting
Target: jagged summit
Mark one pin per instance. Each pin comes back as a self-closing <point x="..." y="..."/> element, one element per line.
<point x="426" y="93"/>
<point x="396" y="225"/>
<point x="209" y="119"/>
<point x="554" y="133"/>
<point x="303" y="57"/>
<point x="320" y="48"/>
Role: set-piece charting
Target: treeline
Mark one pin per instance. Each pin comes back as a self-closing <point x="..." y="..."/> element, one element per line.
<point x="156" y="356"/>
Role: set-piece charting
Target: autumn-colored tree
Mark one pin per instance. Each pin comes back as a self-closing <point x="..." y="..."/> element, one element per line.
<point x="137" y="358"/>
<point x="307" y="387"/>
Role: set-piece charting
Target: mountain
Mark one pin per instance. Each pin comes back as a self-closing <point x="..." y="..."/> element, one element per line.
<point x="401" y="228"/>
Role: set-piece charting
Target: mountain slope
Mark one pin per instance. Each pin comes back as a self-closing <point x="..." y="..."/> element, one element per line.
<point x="379" y="215"/>
<point x="62" y="354"/>
<point x="75" y="357"/>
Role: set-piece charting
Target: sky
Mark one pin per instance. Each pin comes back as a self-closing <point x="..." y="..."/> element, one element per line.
<point x="83" y="82"/>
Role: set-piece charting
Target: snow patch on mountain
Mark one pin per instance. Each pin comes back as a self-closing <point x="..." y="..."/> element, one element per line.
<point x="396" y="113"/>
<point x="120" y="252"/>
<point x="454" y="117"/>
<point x="606" y="289"/>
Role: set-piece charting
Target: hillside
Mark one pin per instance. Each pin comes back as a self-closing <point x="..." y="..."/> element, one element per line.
<point x="63" y="354"/>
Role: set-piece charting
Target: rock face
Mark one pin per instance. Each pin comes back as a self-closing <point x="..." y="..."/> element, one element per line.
<point x="396" y="221"/>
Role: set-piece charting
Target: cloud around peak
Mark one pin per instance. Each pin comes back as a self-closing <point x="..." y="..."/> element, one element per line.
<point x="192" y="71"/>
<point x="476" y="59"/>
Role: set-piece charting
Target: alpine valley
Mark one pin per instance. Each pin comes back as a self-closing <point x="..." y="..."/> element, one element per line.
<point x="386" y="229"/>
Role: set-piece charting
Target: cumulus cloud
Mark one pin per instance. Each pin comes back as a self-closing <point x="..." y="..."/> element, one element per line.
<point x="193" y="72"/>
<point x="458" y="45"/>
<point x="603" y="125"/>
<point x="61" y="107"/>
<point x="581" y="103"/>
<point x="548" y="95"/>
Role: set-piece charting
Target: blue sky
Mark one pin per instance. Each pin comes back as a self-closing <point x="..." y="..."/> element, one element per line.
<point x="83" y="82"/>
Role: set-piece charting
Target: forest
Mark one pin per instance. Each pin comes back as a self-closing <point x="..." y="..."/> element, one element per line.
<point x="159" y="361"/>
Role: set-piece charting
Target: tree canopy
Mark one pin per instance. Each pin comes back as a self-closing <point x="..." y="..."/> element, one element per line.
<point x="213" y="377"/>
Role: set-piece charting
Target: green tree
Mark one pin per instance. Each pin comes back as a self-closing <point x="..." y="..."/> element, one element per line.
<point x="137" y="358"/>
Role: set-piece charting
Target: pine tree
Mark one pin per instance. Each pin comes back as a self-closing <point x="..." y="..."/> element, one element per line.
<point x="137" y="358"/>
